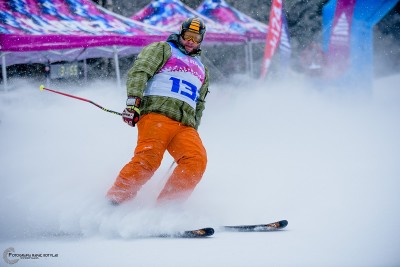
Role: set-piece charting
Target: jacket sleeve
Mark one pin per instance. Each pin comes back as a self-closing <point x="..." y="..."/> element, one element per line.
<point x="202" y="99"/>
<point x="148" y="62"/>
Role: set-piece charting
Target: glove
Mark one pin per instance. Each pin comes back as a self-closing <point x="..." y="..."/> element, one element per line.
<point x="131" y="113"/>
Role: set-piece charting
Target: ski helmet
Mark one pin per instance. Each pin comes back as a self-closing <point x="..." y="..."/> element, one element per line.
<point x="195" y="25"/>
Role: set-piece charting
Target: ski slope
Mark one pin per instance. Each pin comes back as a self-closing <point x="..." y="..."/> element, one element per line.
<point x="327" y="160"/>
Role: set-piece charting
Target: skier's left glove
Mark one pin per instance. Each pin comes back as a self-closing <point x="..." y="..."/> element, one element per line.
<point x="131" y="113"/>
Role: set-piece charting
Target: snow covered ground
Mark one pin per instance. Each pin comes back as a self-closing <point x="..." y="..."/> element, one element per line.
<point x="326" y="161"/>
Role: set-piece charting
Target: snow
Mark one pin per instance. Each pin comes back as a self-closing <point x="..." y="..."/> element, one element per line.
<point x="327" y="160"/>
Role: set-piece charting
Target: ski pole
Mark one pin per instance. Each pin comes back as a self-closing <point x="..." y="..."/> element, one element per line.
<point x="79" y="98"/>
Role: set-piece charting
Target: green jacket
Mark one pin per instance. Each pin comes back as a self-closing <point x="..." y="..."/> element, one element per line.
<point x="148" y="62"/>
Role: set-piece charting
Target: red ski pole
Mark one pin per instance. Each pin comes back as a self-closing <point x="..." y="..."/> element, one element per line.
<point x="79" y="98"/>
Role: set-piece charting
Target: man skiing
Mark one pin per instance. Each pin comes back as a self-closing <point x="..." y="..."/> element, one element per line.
<point x="166" y="89"/>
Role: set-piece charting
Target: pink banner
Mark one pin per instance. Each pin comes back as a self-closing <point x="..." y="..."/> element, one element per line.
<point x="339" y="45"/>
<point x="273" y="36"/>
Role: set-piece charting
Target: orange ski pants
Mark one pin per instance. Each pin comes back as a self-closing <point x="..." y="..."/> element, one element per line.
<point x="156" y="134"/>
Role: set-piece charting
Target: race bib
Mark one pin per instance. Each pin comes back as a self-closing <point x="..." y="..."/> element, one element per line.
<point x="181" y="77"/>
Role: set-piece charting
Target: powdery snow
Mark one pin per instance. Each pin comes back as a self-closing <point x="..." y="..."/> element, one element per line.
<point x="327" y="160"/>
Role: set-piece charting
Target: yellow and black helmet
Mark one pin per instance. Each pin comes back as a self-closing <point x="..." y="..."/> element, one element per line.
<point x="195" y="25"/>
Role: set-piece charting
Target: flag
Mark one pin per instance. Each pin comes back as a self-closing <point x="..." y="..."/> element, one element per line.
<point x="273" y="36"/>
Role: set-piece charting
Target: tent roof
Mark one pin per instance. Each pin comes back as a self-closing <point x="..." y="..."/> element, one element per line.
<point x="220" y="11"/>
<point x="42" y="25"/>
<point x="169" y="15"/>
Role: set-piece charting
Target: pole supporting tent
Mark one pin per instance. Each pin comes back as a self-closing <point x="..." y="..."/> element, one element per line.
<point x="4" y="70"/>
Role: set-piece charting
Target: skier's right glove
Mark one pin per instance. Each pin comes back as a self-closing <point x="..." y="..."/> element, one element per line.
<point x="131" y="113"/>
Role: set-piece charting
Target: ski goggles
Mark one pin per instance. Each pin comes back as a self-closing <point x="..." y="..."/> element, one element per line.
<point x="194" y="37"/>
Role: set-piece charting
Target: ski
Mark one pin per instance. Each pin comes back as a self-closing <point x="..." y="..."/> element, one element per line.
<point x="197" y="233"/>
<point x="275" y="226"/>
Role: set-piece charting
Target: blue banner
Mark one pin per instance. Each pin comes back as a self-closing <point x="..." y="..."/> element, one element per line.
<point x="366" y="14"/>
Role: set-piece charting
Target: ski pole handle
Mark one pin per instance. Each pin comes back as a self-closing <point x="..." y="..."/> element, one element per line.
<point x="79" y="98"/>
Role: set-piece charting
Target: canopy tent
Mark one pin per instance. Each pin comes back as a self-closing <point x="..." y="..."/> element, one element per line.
<point x="220" y="11"/>
<point x="255" y="31"/>
<point x="169" y="15"/>
<point x="41" y="25"/>
<point x="45" y="31"/>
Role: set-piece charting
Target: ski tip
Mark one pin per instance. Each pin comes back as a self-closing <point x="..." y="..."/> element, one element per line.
<point x="270" y="227"/>
<point x="41" y="87"/>
<point x="283" y="223"/>
<point x="210" y="231"/>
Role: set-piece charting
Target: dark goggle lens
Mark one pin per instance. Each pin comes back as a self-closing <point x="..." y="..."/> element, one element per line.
<point x="196" y="38"/>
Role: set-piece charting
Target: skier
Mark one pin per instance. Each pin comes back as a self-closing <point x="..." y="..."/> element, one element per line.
<point x="166" y="89"/>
